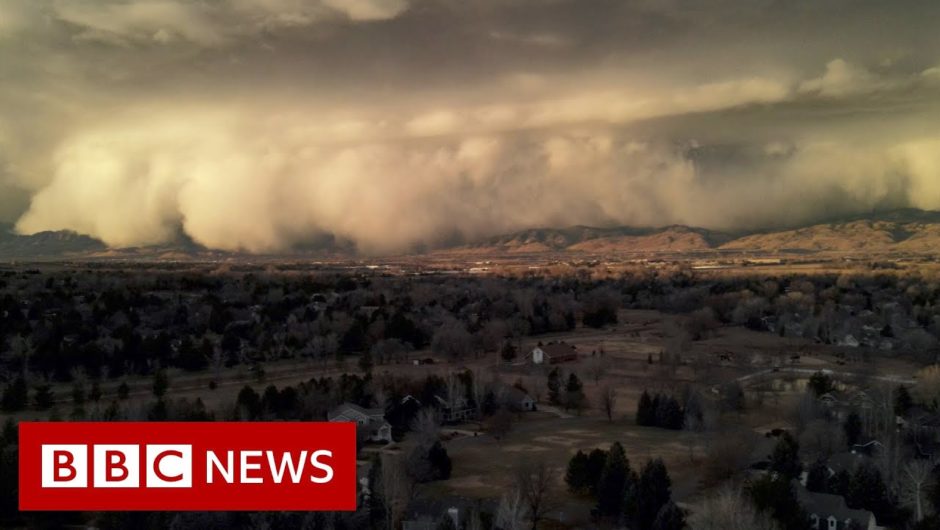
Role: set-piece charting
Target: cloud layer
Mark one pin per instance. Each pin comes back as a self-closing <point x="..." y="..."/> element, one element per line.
<point x="264" y="124"/>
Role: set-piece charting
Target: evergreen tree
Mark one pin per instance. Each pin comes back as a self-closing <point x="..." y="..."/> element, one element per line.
<point x="508" y="351"/>
<point x="653" y="492"/>
<point x="852" y="428"/>
<point x="645" y="413"/>
<point x="576" y="477"/>
<point x="9" y="434"/>
<point x="250" y="402"/>
<point x="902" y="401"/>
<point x="158" y="412"/>
<point x="78" y="394"/>
<point x="669" y="413"/>
<point x="612" y="482"/>
<point x="820" y="383"/>
<point x="776" y="496"/>
<point x="440" y="462"/>
<point x="817" y="477"/>
<point x="95" y="393"/>
<point x="161" y="383"/>
<point x="595" y="465"/>
<point x="839" y="483"/>
<point x="191" y="358"/>
<point x="554" y="386"/>
<point x="123" y="391"/>
<point x="376" y="503"/>
<point x="15" y="395"/>
<point x="785" y="458"/>
<point x="44" y="397"/>
<point x="365" y="361"/>
<point x="867" y="490"/>
<point x="574" y="394"/>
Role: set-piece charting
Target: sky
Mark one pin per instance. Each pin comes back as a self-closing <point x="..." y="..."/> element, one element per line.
<point x="396" y="125"/>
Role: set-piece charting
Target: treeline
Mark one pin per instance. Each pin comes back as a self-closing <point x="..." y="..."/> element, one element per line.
<point x="660" y="410"/>
<point x="107" y="325"/>
<point x="641" y="500"/>
<point x="567" y="392"/>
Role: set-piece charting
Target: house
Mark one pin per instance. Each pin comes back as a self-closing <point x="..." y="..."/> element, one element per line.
<point x="829" y="512"/>
<point x="870" y="448"/>
<point x="554" y="353"/>
<point x="456" y="410"/>
<point x="845" y="461"/>
<point x="514" y="398"/>
<point x="371" y="422"/>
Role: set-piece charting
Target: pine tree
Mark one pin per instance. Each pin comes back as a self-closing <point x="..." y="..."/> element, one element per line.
<point x="653" y="492"/>
<point x="576" y="477"/>
<point x="365" y="361"/>
<point x="191" y="358"/>
<point x="645" y="413"/>
<point x="612" y="482"/>
<point x="95" y="393"/>
<point x="376" y="501"/>
<point x="78" y="394"/>
<point x="785" y="458"/>
<point x="669" y="413"/>
<point x="820" y="383"/>
<point x="440" y="462"/>
<point x="15" y="396"/>
<point x="249" y="401"/>
<point x="838" y="484"/>
<point x="902" y="401"/>
<point x="852" y="428"/>
<point x="817" y="477"/>
<point x="123" y="391"/>
<point x="44" y="397"/>
<point x="776" y="496"/>
<point x="160" y="383"/>
<point x="574" y="394"/>
<point x="554" y="386"/>
<point x="867" y="490"/>
<point x="595" y="465"/>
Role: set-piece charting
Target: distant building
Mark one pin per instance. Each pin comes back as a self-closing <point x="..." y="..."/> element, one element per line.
<point x="554" y="353"/>
<point x="829" y="512"/>
<point x="371" y="422"/>
<point x="455" y="411"/>
<point x="515" y="399"/>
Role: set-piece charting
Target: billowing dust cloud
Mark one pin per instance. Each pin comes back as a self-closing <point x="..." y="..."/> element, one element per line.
<point x="268" y="125"/>
<point x="237" y="184"/>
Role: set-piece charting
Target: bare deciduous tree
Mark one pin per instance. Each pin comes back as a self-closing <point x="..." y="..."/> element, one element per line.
<point x="536" y="482"/>
<point x="499" y="424"/>
<point x="426" y="426"/>
<point x="511" y="512"/>
<point x="730" y="509"/>
<point x="397" y="490"/>
<point x="916" y="481"/>
<point x="608" y="400"/>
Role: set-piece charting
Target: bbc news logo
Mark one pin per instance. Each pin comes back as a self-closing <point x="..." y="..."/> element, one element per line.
<point x="187" y="466"/>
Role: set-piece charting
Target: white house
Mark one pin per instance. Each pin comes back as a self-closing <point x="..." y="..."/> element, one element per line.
<point x="553" y="353"/>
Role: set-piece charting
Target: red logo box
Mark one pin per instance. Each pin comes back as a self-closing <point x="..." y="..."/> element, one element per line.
<point x="96" y="466"/>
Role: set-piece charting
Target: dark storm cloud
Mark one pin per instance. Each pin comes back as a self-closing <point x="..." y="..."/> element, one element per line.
<point x="258" y="124"/>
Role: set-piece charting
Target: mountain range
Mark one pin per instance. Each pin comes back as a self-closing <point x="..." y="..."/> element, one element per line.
<point x="896" y="232"/>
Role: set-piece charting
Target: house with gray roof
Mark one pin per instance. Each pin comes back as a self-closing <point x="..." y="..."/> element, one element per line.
<point x="829" y="512"/>
<point x="371" y="422"/>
